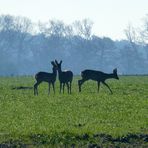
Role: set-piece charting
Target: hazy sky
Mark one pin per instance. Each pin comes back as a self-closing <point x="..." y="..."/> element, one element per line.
<point x="110" y="17"/>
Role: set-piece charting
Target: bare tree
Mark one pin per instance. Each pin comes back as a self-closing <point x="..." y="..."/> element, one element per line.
<point x="133" y="58"/>
<point x="131" y="34"/>
<point x="6" y="22"/>
<point x="144" y="31"/>
<point x="83" y="28"/>
<point x="138" y="35"/>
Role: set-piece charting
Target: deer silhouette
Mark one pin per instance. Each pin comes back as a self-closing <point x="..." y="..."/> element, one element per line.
<point x="65" y="77"/>
<point x="50" y="78"/>
<point x="97" y="76"/>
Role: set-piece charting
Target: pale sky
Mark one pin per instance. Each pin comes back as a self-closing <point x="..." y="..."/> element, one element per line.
<point x="110" y="17"/>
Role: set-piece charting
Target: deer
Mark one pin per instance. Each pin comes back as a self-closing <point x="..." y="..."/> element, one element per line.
<point x="97" y="76"/>
<point x="50" y="78"/>
<point x="65" y="77"/>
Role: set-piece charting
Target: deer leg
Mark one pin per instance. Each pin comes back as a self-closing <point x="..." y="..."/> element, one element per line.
<point x="53" y="88"/>
<point x="48" y="88"/>
<point x="63" y="87"/>
<point x="98" y="85"/>
<point x="60" y="87"/>
<point x="36" y="87"/>
<point x="68" y="88"/>
<point x="107" y="87"/>
<point x="80" y="82"/>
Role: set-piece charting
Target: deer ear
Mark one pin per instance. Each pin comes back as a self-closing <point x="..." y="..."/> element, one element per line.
<point x="53" y="63"/>
<point x="61" y="62"/>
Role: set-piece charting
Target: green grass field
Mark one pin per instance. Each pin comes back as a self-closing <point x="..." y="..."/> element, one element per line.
<point x="85" y="119"/>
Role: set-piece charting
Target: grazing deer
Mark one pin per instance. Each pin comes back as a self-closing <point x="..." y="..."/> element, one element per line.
<point x="65" y="77"/>
<point x="50" y="78"/>
<point x="97" y="76"/>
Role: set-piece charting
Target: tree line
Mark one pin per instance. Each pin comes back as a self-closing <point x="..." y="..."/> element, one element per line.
<point x="27" y="47"/>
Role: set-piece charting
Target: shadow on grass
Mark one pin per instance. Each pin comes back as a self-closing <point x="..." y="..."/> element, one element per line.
<point x="70" y="140"/>
<point x="21" y="87"/>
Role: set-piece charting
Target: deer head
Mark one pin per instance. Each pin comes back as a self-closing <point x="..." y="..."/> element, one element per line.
<point x="115" y="74"/>
<point x="54" y="65"/>
<point x="58" y="64"/>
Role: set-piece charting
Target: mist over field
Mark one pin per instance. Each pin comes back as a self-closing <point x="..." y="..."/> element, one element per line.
<point x="26" y="48"/>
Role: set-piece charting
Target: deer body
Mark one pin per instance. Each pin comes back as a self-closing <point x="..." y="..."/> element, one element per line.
<point x="50" y="78"/>
<point x="97" y="76"/>
<point x="65" y="77"/>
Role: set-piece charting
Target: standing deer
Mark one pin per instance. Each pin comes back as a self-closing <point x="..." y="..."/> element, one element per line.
<point x="50" y="78"/>
<point x="65" y="77"/>
<point x="97" y="76"/>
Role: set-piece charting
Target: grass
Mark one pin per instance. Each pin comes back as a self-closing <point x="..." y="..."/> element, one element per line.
<point x="85" y="119"/>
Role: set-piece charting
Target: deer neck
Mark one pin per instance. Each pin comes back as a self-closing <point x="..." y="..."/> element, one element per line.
<point x="59" y="73"/>
<point x="54" y="71"/>
<point x="110" y="76"/>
